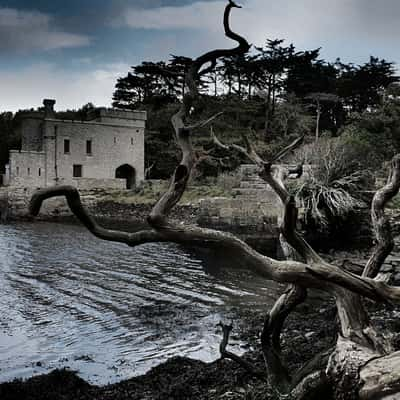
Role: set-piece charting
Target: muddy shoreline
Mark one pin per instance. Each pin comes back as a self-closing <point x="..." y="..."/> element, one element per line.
<point x="183" y="378"/>
<point x="311" y="329"/>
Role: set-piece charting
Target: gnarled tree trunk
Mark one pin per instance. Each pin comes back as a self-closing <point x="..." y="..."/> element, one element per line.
<point x="361" y="365"/>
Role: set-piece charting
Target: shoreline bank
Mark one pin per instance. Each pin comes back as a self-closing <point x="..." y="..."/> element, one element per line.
<point x="308" y="331"/>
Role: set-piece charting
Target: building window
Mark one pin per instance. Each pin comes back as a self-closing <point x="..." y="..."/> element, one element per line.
<point x="115" y="139"/>
<point x="17" y="170"/>
<point x="29" y="171"/>
<point x="77" y="171"/>
<point x="132" y="141"/>
<point x="89" y="147"/>
<point x="66" y="146"/>
<point x="40" y="172"/>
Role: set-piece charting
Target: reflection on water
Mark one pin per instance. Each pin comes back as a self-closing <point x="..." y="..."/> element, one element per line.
<point x="108" y="310"/>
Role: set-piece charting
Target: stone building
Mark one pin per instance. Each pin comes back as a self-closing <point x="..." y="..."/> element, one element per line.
<point x="106" y="151"/>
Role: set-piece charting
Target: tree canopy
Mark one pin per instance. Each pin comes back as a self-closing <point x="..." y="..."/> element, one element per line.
<point x="361" y="364"/>
<point x="275" y="89"/>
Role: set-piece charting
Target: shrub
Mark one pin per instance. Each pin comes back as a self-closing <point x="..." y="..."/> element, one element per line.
<point x="339" y="172"/>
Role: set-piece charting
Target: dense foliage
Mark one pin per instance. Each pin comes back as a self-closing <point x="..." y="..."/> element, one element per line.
<point x="275" y="91"/>
<point x="8" y="138"/>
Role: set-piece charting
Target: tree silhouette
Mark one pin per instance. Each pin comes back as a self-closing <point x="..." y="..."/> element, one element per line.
<point x="274" y="59"/>
<point x="361" y="365"/>
<point x="361" y="87"/>
<point x="321" y="99"/>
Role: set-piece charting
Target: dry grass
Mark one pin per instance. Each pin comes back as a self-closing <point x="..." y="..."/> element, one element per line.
<point x="335" y="180"/>
<point x="149" y="194"/>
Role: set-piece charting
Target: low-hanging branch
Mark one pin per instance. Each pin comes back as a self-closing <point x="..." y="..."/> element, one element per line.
<point x="226" y="331"/>
<point x="354" y="321"/>
<point x="309" y="271"/>
<point x="167" y="231"/>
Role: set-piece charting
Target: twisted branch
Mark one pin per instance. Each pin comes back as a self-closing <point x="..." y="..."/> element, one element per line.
<point x="354" y="321"/>
<point x="76" y="206"/>
<point x="380" y="222"/>
<point x="157" y="218"/>
<point x="271" y="333"/>
<point x="226" y="330"/>
<point x="311" y="272"/>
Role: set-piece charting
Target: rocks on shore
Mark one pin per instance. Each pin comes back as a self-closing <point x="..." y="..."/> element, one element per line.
<point x="309" y="330"/>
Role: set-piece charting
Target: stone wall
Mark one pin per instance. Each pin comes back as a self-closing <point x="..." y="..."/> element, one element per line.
<point x="90" y="183"/>
<point x="252" y="212"/>
<point x="94" y="200"/>
<point x="119" y="117"/>
<point x="111" y="148"/>
<point x="254" y="205"/>
<point x="116" y="140"/>
<point x="27" y="168"/>
<point x="243" y="214"/>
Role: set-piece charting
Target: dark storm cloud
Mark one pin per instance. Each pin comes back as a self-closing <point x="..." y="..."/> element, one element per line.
<point x="25" y="31"/>
<point x="91" y="42"/>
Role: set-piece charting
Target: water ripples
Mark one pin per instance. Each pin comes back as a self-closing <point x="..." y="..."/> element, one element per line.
<point x="108" y="310"/>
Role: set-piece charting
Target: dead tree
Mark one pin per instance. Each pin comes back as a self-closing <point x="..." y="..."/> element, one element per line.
<point x="362" y="362"/>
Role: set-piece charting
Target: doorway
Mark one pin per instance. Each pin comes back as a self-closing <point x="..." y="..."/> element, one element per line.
<point x="128" y="173"/>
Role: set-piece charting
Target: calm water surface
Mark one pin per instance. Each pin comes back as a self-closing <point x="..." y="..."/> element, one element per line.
<point x="68" y="299"/>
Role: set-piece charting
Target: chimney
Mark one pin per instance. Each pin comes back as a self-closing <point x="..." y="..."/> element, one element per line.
<point x="49" y="108"/>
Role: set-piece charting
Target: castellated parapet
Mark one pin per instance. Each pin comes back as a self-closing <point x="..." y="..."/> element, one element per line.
<point x="105" y="151"/>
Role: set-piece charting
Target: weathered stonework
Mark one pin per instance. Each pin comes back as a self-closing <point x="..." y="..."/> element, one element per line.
<point x="107" y="151"/>
<point x="252" y="213"/>
<point x="254" y="205"/>
<point x="27" y="168"/>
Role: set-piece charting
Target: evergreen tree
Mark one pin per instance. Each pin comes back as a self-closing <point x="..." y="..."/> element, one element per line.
<point x="9" y="137"/>
<point x="274" y="59"/>
<point x="361" y="87"/>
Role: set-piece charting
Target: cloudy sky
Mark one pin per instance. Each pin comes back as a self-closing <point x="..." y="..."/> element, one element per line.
<point x="74" y="50"/>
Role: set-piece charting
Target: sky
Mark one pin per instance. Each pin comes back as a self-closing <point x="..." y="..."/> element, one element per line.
<point x="73" y="51"/>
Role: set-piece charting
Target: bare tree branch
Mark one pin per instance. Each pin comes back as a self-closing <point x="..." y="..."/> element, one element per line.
<point x="315" y="364"/>
<point x="310" y="386"/>
<point x="75" y="204"/>
<point x="270" y="336"/>
<point x="249" y="151"/>
<point x="318" y="276"/>
<point x="201" y="124"/>
<point x="380" y="222"/>
<point x="288" y="227"/>
<point x="274" y="176"/>
<point x="149" y="169"/>
<point x="287" y="149"/>
<point x="182" y="173"/>
<point x="311" y="272"/>
<point x="226" y="330"/>
<point x="354" y="321"/>
<point x="242" y="48"/>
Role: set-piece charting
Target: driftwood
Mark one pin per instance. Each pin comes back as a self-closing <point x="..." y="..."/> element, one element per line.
<point x="361" y="365"/>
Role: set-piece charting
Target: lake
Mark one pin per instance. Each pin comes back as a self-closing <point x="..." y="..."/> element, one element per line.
<point x="68" y="299"/>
